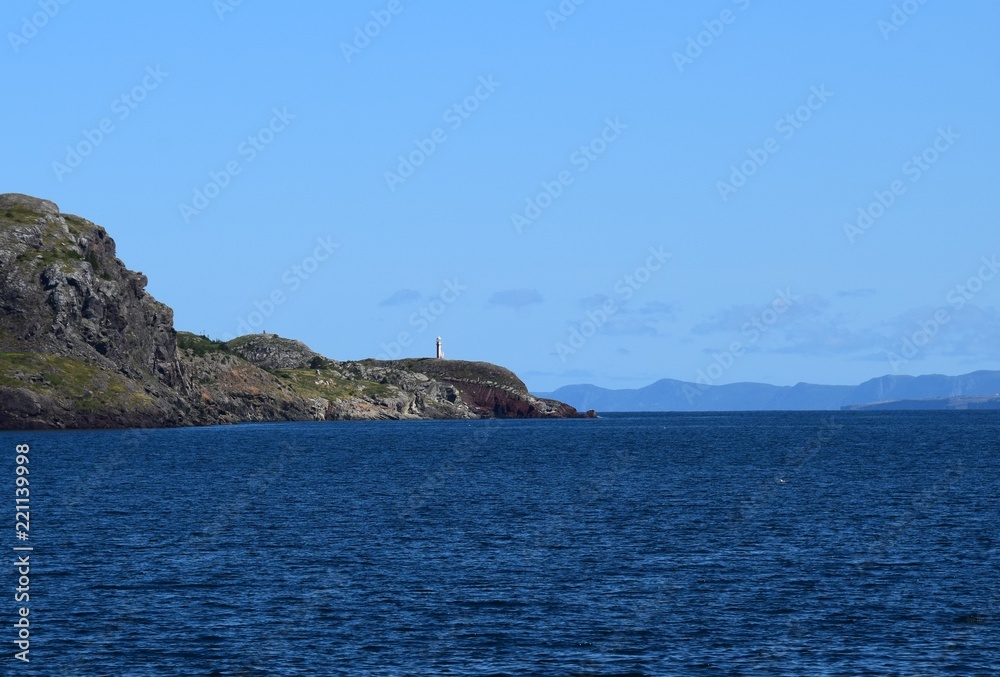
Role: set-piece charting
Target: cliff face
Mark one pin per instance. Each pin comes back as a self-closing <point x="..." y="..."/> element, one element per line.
<point x="489" y="390"/>
<point x="64" y="292"/>
<point x="83" y="345"/>
<point x="81" y="342"/>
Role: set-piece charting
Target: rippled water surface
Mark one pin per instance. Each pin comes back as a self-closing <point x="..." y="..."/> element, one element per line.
<point x="673" y="544"/>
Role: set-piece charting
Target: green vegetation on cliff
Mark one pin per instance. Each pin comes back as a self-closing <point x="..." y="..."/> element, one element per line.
<point x="200" y="345"/>
<point x="83" y="344"/>
<point x="88" y="386"/>
<point x="332" y="386"/>
<point x="313" y="376"/>
<point x="20" y="214"/>
<point x="461" y="371"/>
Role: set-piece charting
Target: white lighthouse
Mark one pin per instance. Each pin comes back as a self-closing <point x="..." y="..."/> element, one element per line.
<point x="440" y="352"/>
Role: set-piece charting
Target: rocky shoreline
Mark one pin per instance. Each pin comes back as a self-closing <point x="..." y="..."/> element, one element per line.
<point x="84" y="345"/>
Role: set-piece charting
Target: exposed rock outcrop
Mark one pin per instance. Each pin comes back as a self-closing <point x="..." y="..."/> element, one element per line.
<point x="489" y="390"/>
<point x="83" y="345"/>
<point x="270" y="351"/>
<point x="63" y="291"/>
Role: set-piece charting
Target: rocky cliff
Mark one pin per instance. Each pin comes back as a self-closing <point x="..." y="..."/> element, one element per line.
<point x="83" y="345"/>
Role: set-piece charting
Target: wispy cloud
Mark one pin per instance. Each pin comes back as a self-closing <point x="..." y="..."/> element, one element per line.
<point x="831" y="335"/>
<point x="659" y="310"/>
<point x="515" y="298"/>
<point x="645" y="320"/>
<point x="856" y="293"/>
<point x="401" y="297"/>
<point x="973" y="332"/>
<point x="735" y="319"/>
<point x="629" y="325"/>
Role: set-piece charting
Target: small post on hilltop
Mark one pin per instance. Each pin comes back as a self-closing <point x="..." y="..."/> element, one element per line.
<point x="440" y="352"/>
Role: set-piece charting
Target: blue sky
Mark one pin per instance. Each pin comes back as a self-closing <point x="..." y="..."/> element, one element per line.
<point x="609" y="193"/>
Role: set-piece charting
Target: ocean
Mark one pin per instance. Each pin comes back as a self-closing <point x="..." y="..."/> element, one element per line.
<point x="801" y="543"/>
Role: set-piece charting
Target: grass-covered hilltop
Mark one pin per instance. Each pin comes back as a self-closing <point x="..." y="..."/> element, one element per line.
<point x="83" y="345"/>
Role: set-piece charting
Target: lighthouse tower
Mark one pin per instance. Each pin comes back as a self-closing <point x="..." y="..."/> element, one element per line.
<point x="440" y="352"/>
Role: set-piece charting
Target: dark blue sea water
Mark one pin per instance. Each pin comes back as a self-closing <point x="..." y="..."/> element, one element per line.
<point x="673" y="544"/>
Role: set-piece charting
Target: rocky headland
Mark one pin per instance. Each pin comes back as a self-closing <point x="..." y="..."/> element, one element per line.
<point x="84" y="345"/>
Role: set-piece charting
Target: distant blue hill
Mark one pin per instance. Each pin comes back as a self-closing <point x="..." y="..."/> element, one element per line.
<point x="671" y="395"/>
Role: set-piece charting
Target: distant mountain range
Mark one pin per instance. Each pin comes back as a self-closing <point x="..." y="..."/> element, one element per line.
<point x="980" y="389"/>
